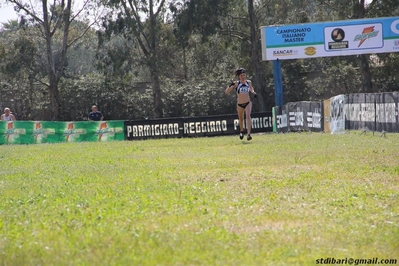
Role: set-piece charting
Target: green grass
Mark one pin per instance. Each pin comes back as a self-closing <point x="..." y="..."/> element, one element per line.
<point x="281" y="199"/>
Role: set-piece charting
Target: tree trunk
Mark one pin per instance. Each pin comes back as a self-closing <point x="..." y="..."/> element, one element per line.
<point x="259" y="81"/>
<point x="55" y="69"/>
<point x="185" y="64"/>
<point x="53" y="89"/>
<point x="156" y="93"/>
<point x="156" y="87"/>
<point x="30" y="100"/>
<point x="364" y="65"/>
<point x="54" y="102"/>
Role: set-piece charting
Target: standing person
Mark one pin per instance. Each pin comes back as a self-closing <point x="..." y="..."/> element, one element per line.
<point x="95" y="115"/>
<point x="244" y="104"/>
<point x="7" y="116"/>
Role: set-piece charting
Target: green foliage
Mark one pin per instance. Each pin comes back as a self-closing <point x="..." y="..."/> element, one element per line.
<point x="10" y="25"/>
<point x="199" y="16"/>
<point x="319" y="78"/>
<point x="385" y="74"/>
<point x="383" y="8"/>
<point x="197" y="98"/>
<point x="198" y="44"/>
<point x="300" y="197"/>
<point x="122" y="102"/>
<point x="20" y="57"/>
<point x="294" y="82"/>
<point x="18" y="69"/>
<point x="114" y="58"/>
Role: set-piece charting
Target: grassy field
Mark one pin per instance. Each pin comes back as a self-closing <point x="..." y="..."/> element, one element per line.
<point x="281" y="199"/>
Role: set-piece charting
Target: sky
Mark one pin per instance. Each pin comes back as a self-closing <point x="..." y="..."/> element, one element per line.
<point x="7" y="12"/>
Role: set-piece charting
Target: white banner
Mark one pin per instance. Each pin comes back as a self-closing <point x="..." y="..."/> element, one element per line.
<point x="325" y="39"/>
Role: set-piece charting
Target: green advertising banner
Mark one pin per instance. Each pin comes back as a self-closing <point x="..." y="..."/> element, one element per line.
<point x="32" y="132"/>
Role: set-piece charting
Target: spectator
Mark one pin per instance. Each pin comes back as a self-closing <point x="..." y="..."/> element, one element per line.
<point x="7" y="116"/>
<point x="95" y="115"/>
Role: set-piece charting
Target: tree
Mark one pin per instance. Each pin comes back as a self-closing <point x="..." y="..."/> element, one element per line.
<point x="54" y="21"/>
<point x="141" y="21"/>
<point x="18" y="69"/>
<point x="10" y="25"/>
<point x="385" y="73"/>
<point x="260" y="81"/>
<point x="357" y="9"/>
<point x="226" y="20"/>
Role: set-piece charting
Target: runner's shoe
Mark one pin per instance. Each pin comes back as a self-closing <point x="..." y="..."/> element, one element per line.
<point x="241" y="134"/>
<point x="249" y="137"/>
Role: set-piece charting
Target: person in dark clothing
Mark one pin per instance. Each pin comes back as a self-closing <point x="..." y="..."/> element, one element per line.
<point x="95" y="115"/>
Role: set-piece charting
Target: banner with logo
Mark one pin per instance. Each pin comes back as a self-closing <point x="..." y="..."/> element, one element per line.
<point x="31" y="132"/>
<point x="360" y="111"/>
<point x="281" y="119"/>
<point x="325" y="39"/>
<point x="376" y="112"/>
<point x="206" y="126"/>
<point x="387" y="112"/>
<point x="93" y="131"/>
<point x="16" y="132"/>
<point x="299" y="116"/>
<point x="372" y="111"/>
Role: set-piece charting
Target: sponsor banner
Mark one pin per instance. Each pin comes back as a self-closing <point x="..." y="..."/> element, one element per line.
<point x="93" y="131"/>
<point x="360" y="111"/>
<point x="16" y="132"/>
<point x="386" y="108"/>
<point x="261" y="122"/>
<point x="295" y="116"/>
<point x="305" y="116"/>
<point x="325" y="39"/>
<point x="374" y="112"/>
<point x="281" y="119"/>
<point x="300" y="116"/>
<point x="208" y="126"/>
<point x="195" y="126"/>
<point x="160" y="128"/>
<point x="314" y="116"/>
<point x="31" y="132"/>
<point x="337" y="114"/>
<point x="48" y="131"/>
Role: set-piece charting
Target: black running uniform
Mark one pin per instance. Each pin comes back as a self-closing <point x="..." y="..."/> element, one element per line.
<point x="243" y="89"/>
